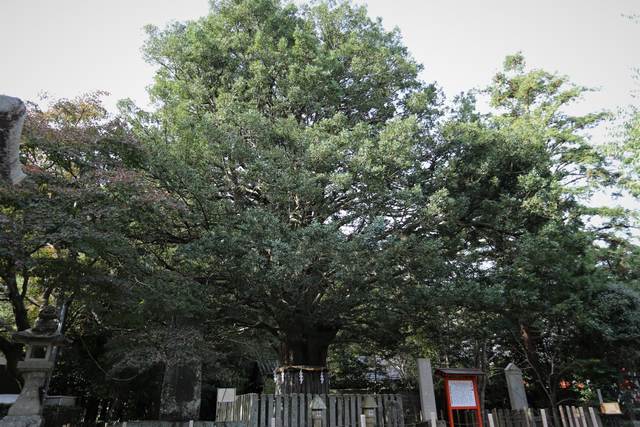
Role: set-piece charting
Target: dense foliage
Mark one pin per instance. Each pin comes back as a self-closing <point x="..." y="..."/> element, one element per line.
<point x="295" y="139"/>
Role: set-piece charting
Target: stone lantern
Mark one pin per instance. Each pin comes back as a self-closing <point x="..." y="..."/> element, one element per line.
<point x="35" y="369"/>
<point x="369" y="407"/>
<point x="317" y="407"/>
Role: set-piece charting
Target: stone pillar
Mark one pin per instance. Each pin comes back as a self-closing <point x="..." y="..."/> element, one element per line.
<point x="12" y="114"/>
<point x="181" y="391"/>
<point x="427" y="394"/>
<point x="515" y="385"/>
<point x="182" y="382"/>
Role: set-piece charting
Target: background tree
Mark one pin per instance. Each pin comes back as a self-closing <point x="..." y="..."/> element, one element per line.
<point x="512" y="204"/>
<point x="58" y="234"/>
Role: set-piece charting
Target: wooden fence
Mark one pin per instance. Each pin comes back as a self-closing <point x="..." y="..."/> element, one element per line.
<point x="292" y="410"/>
<point x="565" y="416"/>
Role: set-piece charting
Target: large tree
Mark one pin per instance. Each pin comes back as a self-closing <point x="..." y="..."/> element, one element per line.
<point x="290" y="138"/>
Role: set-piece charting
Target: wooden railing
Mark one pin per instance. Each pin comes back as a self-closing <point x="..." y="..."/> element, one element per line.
<point x="292" y="410"/>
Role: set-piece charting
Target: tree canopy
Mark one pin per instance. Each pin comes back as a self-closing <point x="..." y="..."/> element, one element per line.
<point x="294" y="139"/>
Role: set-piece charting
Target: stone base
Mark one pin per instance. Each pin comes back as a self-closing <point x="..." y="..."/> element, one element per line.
<point x="22" y="421"/>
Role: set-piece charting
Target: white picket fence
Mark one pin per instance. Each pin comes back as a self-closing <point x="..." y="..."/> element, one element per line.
<point x="292" y="410"/>
<point x="565" y="416"/>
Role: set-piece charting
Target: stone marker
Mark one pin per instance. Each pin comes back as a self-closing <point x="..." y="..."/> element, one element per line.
<point x="180" y="396"/>
<point x="515" y="384"/>
<point x="12" y="114"/>
<point x="181" y="388"/>
<point x="427" y="395"/>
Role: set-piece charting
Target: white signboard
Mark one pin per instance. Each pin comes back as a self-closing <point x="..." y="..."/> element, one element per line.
<point x="461" y="393"/>
<point x="226" y="395"/>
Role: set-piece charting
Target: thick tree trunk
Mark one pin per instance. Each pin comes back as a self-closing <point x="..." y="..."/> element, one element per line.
<point x="303" y="355"/>
<point x="13" y="353"/>
<point x="302" y="379"/>
<point x="20" y="314"/>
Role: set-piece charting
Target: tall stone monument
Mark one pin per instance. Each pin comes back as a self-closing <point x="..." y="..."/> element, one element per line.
<point x="181" y="391"/>
<point x="515" y="384"/>
<point x="427" y="394"/>
<point x="12" y="114"/>
<point x="182" y="382"/>
<point x="35" y="369"/>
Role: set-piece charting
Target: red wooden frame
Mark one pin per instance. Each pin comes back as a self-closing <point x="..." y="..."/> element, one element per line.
<point x="447" y="392"/>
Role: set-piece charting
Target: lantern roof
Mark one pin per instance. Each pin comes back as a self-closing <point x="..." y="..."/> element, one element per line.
<point x="317" y="404"/>
<point x="45" y="331"/>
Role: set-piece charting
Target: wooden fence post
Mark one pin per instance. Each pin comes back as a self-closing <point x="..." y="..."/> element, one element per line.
<point x="530" y="417"/>
<point x="562" y="417"/>
<point x="594" y="420"/>
<point x="543" y="417"/>
<point x="583" y="417"/>
<point x="576" y="416"/>
<point x="567" y="409"/>
<point x="490" y="419"/>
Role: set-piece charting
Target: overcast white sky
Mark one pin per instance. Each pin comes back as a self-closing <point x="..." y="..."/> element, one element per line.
<point x="69" y="47"/>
